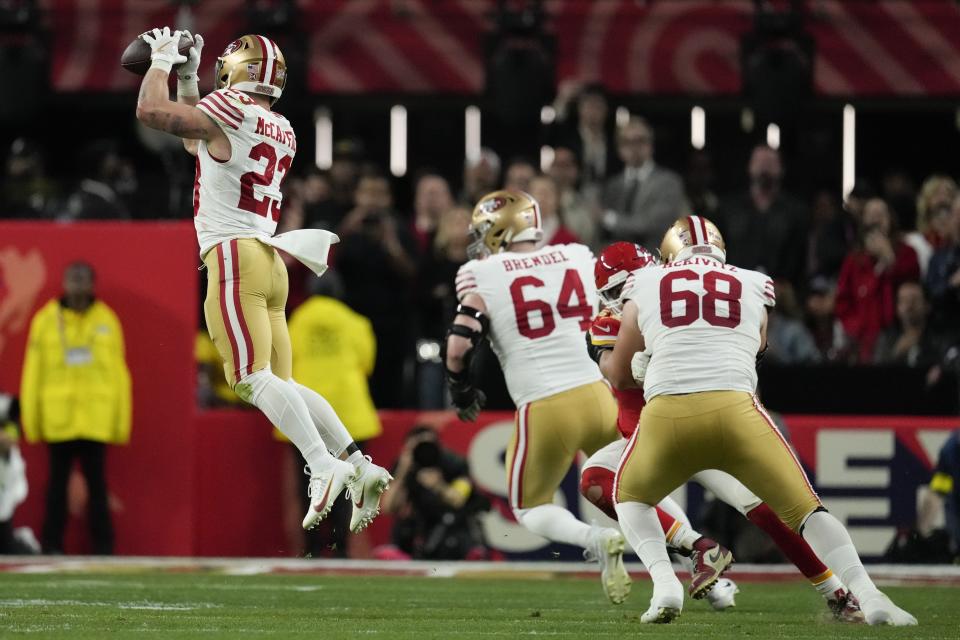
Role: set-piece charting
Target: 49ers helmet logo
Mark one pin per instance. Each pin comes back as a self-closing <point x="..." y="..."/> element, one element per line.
<point x="233" y="47"/>
<point x="493" y="204"/>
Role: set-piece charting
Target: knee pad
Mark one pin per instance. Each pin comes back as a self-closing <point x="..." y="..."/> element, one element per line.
<point x="596" y="485"/>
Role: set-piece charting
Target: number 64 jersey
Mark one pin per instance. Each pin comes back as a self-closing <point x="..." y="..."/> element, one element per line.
<point x="700" y="320"/>
<point x="240" y="197"/>
<point x="539" y="305"/>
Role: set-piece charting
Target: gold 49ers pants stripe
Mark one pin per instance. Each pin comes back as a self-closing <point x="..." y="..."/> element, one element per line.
<point x="236" y="326"/>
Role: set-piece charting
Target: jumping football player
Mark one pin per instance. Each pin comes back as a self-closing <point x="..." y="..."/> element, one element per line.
<point x="614" y="267"/>
<point x="535" y="304"/>
<point x="243" y="151"/>
<point x="704" y="323"/>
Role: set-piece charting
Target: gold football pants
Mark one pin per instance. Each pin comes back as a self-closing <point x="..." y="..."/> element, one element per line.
<point x="547" y="436"/>
<point x="680" y="435"/>
<point x="244" y="308"/>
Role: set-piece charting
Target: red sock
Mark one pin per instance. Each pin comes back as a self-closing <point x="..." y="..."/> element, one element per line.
<point x="791" y="543"/>
<point x="596" y="485"/>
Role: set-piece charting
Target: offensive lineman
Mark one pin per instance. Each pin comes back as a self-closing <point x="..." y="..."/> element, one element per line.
<point x="536" y="304"/>
<point x="704" y="322"/>
<point x="614" y="267"/>
<point x="243" y="151"/>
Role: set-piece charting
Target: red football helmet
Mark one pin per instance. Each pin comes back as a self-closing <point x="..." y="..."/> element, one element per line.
<point x="612" y="268"/>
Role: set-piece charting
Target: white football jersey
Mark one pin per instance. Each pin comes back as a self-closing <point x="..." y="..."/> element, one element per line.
<point x="240" y="197"/>
<point x="701" y="323"/>
<point x="539" y="305"/>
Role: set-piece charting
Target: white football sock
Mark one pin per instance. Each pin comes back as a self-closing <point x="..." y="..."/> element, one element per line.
<point x="554" y="523"/>
<point x="326" y="420"/>
<point x="682" y="535"/>
<point x="828" y="587"/>
<point x="830" y="540"/>
<point x="284" y="407"/>
<point x="641" y="527"/>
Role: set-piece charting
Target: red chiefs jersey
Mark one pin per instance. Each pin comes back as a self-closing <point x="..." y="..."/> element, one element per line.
<point x="603" y="331"/>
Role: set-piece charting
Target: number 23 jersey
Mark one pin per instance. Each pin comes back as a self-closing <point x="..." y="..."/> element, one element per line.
<point x="240" y="197"/>
<point x="539" y="305"/>
<point x="701" y="322"/>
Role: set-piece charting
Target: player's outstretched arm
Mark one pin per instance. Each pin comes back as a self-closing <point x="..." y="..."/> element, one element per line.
<point x="188" y="87"/>
<point x="468" y="329"/>
<point x="154" y="107"/>
<point x="615" y="366"/>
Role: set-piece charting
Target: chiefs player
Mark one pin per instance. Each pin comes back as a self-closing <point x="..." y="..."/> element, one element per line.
<point x="613" y="269"/>
<point x="704" y="322"/>
<point x="244" y="149"/>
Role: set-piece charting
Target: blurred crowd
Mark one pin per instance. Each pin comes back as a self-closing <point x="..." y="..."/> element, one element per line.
<point x="870" y="279"/>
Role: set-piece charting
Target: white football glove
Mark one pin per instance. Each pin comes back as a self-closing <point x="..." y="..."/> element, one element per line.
<point x="187" y="82"/>
<point x="164" y="48"/>
<point x="638" y="366"/>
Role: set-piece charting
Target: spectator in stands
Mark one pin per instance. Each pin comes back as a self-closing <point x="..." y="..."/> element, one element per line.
<point x="870" y="276"/>
<point x="831" y="340"/>
<point x="75" y="396"/>
<point x="377" y="260"/>
<point x="109" y="180"/>
<point x="698" y="184"/>
<point x="436" y="301"/>
<point x="764" y="226"/>
<point x="481" y="175"/>
<point x="433" y="501"/>
<point x="643" y="200"/>
<point x="431" y="199"/>
<point x="900" y="193"/>
<point x="580" y="213"/>
<point x="518" y="175"/>
<point x="829" y="240"/>
<point x="789" y="340"/>
<point x="26" y="191"/>
<point x="587" y="132"/>
<point x="544" y="190"/>
<point x="933" y="218"/>
<point x="316" y="193"/>
<point x="334" y="350"/>
<point x="943" y="276"/>
<point x="910" y="341"/>
<point x="861" y="193"/>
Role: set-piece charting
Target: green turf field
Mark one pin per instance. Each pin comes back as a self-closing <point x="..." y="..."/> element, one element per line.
<point x="193" y="605"/>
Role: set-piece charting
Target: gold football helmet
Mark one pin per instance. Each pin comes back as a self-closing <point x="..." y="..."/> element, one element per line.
<point x="692" y="236"/>
<point x="501" y="218"/>
<point x="252" y="63"/>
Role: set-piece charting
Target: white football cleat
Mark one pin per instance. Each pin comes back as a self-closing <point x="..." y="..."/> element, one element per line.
<point x="879" y="609"/>
<point x="723" y="594"/>
<point x="324" y="488"/>
<point x="664" y="607"/>
<point x="364" y="492"/>
<point x="606" y="547"/>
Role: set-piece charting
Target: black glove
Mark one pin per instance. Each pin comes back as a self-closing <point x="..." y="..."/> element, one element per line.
<point x="466" y="398"/>
<point x="762" y="353"/>
<point x="593" y="350"/>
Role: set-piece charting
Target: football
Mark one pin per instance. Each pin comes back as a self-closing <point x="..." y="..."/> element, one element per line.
<point x="136" y="57"/>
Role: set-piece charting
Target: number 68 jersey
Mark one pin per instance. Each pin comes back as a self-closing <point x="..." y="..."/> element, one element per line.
<point x="539" y="305"/>
<point x="240" y="197"/>
<point x="700" y="320"/>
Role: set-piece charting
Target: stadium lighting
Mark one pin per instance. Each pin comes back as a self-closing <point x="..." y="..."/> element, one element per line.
<point x="472" y="128"/>
<point x="849" y="149"/>
<point x="623" y="116"/>
<point x="548" y="114"/>
<point x="698" y="128"/>
<point x="546" y="157"/>
<point x="773" y="136"/>
<point x="398" y="140"/>
<point x="323" y="129"/>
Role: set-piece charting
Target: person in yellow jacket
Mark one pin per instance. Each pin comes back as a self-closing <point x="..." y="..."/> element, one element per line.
<point x="75" y="396"/>
<point x="334" y="350"/>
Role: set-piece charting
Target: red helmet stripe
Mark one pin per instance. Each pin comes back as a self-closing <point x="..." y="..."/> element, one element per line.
<point x="273" y="71"/>
<point x="266" y="56"/>
<point x="692" y="227"/>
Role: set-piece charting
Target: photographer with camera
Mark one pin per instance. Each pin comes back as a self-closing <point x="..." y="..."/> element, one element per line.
<point x="433" y="501"/>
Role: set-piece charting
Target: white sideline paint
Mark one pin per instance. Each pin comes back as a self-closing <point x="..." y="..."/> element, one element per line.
<point x="883" y="573"/>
